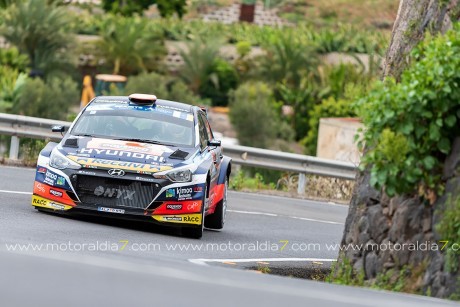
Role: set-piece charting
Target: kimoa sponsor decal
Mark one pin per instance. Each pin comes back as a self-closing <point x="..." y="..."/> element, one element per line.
<point x="127" y="166"/>
<point x="180" y="218"/>
<point x="38" y="201"/>
<point x="182" y="193"/>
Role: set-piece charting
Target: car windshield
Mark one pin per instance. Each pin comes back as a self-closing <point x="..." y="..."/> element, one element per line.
<point x="168" y="127"/>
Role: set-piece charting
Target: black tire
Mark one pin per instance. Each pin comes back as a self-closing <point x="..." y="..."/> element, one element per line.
<point x="217" y="219"/>
<point x="197" y="232"/>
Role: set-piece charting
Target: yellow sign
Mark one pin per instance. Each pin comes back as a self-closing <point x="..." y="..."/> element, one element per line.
<point x="180" y="218"/>
<point x="38" y="201"/>
<point x="127" y="166"/>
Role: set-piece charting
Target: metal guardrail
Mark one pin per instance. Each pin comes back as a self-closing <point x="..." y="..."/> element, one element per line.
<point x="39" y="128"/>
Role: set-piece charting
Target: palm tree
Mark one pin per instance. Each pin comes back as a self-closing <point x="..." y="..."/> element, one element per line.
<point x="130" y="44"/>
<point x="199" y="58"/>
<point x="40" y="30"/>
<point x="288" y="59"/>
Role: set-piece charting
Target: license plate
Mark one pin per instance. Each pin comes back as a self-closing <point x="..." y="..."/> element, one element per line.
<point x="111" y="210"/>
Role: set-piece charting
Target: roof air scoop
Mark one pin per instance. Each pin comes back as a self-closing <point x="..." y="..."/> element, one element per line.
<point x="142" y="99"/>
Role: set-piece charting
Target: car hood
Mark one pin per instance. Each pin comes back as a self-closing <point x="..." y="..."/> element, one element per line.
<point x="130" y="156"/>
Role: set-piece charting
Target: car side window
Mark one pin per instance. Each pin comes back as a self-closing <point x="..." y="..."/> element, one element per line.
<point x="203" y="132"/>
<point x="208" y="127"/>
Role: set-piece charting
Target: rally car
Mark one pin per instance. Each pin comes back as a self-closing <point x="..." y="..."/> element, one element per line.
<point x="137" y="157"/>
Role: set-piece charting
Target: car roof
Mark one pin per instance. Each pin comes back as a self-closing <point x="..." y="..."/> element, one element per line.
<point x="114" y="100"/>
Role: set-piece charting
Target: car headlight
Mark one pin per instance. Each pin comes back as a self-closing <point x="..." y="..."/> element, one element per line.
<point x="182" y="175"/>
<point x="59" y="161"/>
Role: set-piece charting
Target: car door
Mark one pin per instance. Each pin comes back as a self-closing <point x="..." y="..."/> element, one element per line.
<point x="208" y="153"/>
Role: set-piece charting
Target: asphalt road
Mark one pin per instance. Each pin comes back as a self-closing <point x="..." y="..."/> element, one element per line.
<point x="59" y="261"/>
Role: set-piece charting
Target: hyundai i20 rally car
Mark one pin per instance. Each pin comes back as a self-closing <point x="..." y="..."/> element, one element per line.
<point x="140" y="158"/>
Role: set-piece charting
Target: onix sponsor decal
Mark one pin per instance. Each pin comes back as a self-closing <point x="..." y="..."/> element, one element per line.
<point x="194" y="219"/>
<point x="127" y="166"/>
<point x="38" y="201"/>
<point x="114" y="193"/>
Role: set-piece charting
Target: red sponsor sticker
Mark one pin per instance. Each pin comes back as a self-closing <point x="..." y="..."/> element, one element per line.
<point x="179" y="207"/>
<point x="53" y="193"/>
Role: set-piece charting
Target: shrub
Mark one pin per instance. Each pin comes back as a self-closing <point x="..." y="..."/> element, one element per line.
<point x="449" y="230"/>
<point x="163" y="87"/>
<point x="12" y="58"/>
<point x="11" y="82"/>
<point x="222" y="79"/>
<point x="252" y="114"/>
<point x="50" y="99"/>
<point x="148" y="83"/>
<point x="420" y="114"/>
<point x="330" y="107"/>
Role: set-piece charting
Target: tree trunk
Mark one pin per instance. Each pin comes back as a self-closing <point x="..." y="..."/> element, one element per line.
<point x="414" y="19"/>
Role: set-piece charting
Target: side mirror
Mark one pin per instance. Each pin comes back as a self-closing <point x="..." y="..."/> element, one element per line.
<point x="60" y="129"/>
<point x="214" y="143"/>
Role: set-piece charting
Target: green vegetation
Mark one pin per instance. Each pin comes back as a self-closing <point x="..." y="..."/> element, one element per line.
<point x="241" y="181"/>
<point x="410" y="125"/>
<point x="449" y="230"/>
<point x="47" y="99"/>
<point x="343" y="273"/>
<point x="42" y="32"/>
<point x="406" y="279"/>
<point x="276" y="80"/>
<point x="130" y="45"/>
<point x="253" y="115"/>
<point x="127" y="8"/>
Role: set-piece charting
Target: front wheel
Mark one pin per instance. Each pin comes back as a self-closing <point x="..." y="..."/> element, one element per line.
<point x="217" y="219"/>
<point x="197" y="232"/>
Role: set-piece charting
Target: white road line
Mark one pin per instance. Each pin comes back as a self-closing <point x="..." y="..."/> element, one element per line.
<point x="203" y="261"/>
<point x="298" y="201"/>
<point x="254" y="213"/>
<point x="314" y="220"/>
<point x="15" y="192"/>
<point x="291" y="217"/>
<point x="234" y="211"/>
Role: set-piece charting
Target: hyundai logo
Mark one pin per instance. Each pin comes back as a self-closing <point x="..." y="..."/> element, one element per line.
<point x="116" y="172"/>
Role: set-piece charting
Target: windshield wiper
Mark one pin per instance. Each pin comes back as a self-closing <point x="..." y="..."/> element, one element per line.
<point x="145" y="141"/>
<point x="83" y="134"/>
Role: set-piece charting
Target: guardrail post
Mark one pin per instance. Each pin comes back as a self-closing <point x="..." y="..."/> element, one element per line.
<point x="14" y="148"/>
<point x="302" y="183"/>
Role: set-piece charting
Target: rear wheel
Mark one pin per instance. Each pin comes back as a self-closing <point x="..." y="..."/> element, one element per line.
<point x="217" y="219"/>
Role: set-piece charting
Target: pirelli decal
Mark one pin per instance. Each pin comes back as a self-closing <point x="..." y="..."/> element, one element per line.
<point x="127" y="166"/>
<point x="180" y="218"/>
<point x="38" y="201"/>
